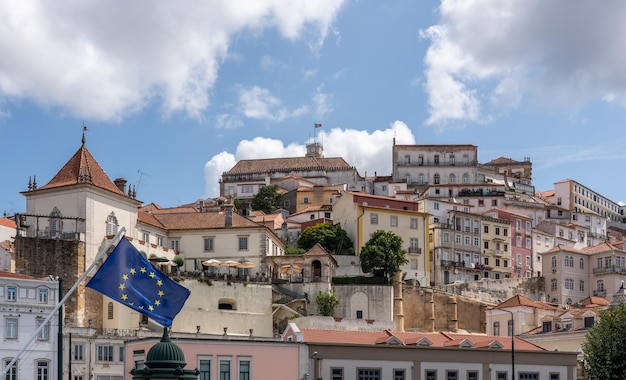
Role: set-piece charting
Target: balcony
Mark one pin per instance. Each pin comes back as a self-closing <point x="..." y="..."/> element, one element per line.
<point x="451" y="263"/>
<point x="599" y="293"/>
<point x="415" y="250"/>
<point x="405" y="163"/>
<point x="611" y="269"/>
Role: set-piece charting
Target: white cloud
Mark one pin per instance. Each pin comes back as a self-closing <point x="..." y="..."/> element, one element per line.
<point x="367" y="151"/>
<point x="228" y="121"/>
<point x="502" y="51"/>
<point x="106" y="60"/>
<point x="259" y="103"/>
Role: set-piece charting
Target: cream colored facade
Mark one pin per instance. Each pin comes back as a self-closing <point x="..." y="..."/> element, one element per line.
<point x="361" y="215"/>
<point x="496" y="241"/>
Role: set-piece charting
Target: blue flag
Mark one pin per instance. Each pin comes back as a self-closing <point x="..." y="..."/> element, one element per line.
<point x="130" y="279"/>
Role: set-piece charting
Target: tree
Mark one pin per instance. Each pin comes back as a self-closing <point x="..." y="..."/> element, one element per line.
<point x="268" y="199"/>
<point x="604" y="349"/>
<point x="382" y="254"/>
<point x="326" y="303"/>
<point x="332" y="238"/>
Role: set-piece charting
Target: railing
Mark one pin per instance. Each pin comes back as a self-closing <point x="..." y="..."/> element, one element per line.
<point x="415" y="250"/>
<point x="439" y="163"/>
<point x="611" y="269"/>
<point x="451" y="263"/>
<point x="600" y="293"/>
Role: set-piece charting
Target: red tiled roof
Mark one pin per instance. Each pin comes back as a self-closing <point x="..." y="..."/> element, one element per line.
<point x="288" y="165"/>
<point x="5" y="274"/>
<point x="184" y="219"/>
<point x="409" y="338"/>
<point x="82" y="168"/>
<point x="7" y="223"/>
<point x="519" y="300"/>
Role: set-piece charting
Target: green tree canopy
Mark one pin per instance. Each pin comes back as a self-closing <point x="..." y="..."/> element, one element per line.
<point x="333" y="238"/>
<point x="383" y="254"/>
<point x="326" y="303"/>
<point x="268" y="199"/>
<point x="604" y="348"/>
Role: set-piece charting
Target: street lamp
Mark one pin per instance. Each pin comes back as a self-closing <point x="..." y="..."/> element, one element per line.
<point x="512" y="342"/>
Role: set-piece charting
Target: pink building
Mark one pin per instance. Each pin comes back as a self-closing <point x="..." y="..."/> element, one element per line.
<point x="225" y="357"/>
<point x="521" y="242"/>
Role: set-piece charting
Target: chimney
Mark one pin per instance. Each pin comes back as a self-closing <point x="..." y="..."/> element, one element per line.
<point x="121" y="184"/>
<point x="228" y="211"/>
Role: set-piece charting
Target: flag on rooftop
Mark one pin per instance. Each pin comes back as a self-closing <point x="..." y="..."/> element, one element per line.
<point x="318" y="125"/>
<point x="129" y="278"/>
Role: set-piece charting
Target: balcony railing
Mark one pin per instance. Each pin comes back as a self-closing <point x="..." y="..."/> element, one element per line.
<point x="451" y="263"/>
<point x="437" y="163"/>
<point x="611" y="269"/>
<point x="415" y="250"/>
<point x="599" y="293"/>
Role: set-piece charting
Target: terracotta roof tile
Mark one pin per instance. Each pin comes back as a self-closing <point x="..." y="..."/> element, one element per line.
<point x="520" y="300"/>
<point x="288" y="165"/>
<point x="82" y="168"/>
<point x="409" y="338"/>
<point x="5" y="274"/>
<point x="184" y="219"/>
<point x="5" y="222"/>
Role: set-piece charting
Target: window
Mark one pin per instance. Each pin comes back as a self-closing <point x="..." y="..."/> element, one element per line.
<point x="42" y="295"/>
<point x="452" y="178"/>
<point x="518" y="241"/>
<point x="359" y="314"/>
<point x="494" y="202"/>
<point x="247" y="189"/>
<point x="393" y="221"/>
<point x="472" y="375"/>
<point x="208" y="244"/>
<point x="175" y="244"/>
<point x="436" y="206"/>
<point x="569" y="284"/>
<point x="589" y="322"/>
<point x="398" y="374"/>
<point x="421" y="179"/>
<point x="496" y="328"/>
<point x="528" y="376"/>
<point x="501" y="375"/>
<point x="466" y="178"/>
<point x="44" y="333"/>
<point x="111" y="224"/>
<point x="373" y="218"/>
<point x="105" y="353"/>
<point x="368" y="374"/>
<point x="224" y="369"/>
<point x="110" y="310"/>
<point x="452" y="375"/>
<point x="554" y="376"/>
<point x="56" y="224"/>
<point x="42" y="370"/>
<point x="446" y="237"/>
<point x="286" y="203"/>
<point x="160" y="241"/>
<point x="546" y="327"/>
<point x="497" y="230"/>
<point x="305" y="200"/>
<point x="244" y="369"/>
<point x="11" y="373"/>
<point x="121" y="353"/>
<point x="467" y="240"/>
<point x="553" y="284"/>
<point x="10" y="328"/>
<point x="436" y="159"/>
<point x="205" y="369"/>
<point x="243" y="243"/>
<point x="413" y="223"/>
<point x="581" y="285"/>
<point x="437" y="179"/>
<point x="431" y="374"/>
<point x="336" y="373"/>
<point x="528" y="243"/>
<point x="11" y="293"/>
<point x="476" y="241"/>
<point x="486" y="244"/>
<point x="79" y="352"/>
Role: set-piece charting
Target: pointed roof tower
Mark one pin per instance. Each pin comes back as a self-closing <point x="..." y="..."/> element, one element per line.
<point x="82" y="168"/>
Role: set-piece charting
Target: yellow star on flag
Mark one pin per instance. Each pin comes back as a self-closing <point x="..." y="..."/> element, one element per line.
<point x="161" y="293"/>
<point x="159" y="282"/>
<point x="122" y="286"/>
<point x="133" y="271"/>
<point x="151" y="308"/>
<point x="124" y="297"/>
<point x="125" y="277"/>
<point x="157" y="302"/>
<point x="152" y="275"/>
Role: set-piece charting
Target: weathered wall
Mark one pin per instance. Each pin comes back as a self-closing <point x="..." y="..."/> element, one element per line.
<point x="428" y="310"/>
<point x="66" y="259"/>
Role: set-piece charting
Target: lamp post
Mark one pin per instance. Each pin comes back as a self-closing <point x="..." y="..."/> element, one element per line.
<point x="512" y="342"/>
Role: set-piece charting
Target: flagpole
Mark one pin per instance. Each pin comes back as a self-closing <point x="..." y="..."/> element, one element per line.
<point x="62" y="301"/>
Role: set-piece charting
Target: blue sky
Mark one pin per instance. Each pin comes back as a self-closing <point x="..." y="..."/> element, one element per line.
<point x="174" y="93"/>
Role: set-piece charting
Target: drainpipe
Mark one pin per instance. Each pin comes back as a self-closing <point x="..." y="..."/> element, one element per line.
<point x="60" y="334"/>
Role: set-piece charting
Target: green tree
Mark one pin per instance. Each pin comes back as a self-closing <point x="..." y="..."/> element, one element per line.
<point x="382" y="254"/>
<point x="268" y="199"/>
<point x="604" y="348"/>
<point x="326" y="303"/>
<point x="333" y="238"/>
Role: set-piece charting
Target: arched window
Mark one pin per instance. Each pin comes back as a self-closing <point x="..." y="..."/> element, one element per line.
<point x="421" y="179"/>
<point x="553" y="284"/>
<point x="452" y="159"/>
<point x="407" y="159"/>
<point x="553" y="261"/>
<point x="465" y="178"/>
<point x="581" y="263"/>
<point x="437" y="179"/>
<point x="452" y="178"/>
<point x="226" y="304"/>
<point x="111" y="224"/>
<point x="110" y="310"/>
<point x="56" y="223"/>
<point x="600" y="285"/>
<point x="569" y="284"/>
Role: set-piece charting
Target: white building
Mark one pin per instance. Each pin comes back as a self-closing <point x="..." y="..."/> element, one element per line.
<point x="25" y="303"/>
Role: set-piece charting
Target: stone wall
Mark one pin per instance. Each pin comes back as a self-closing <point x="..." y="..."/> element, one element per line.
<point x="39" y="257"/>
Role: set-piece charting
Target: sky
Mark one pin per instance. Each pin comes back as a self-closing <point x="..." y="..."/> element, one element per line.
<point x="174" y="93"/>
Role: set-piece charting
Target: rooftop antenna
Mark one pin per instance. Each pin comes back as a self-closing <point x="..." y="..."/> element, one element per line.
<point x="141" y="174"/>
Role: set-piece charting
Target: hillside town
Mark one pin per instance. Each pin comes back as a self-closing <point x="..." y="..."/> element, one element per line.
<point x="500" y="280"/>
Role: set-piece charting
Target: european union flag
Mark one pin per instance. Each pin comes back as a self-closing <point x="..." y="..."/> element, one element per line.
<point x="130" y="279"/>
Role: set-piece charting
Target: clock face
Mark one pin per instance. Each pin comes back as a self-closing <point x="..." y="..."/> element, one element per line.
<point x="311" y="149"/>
